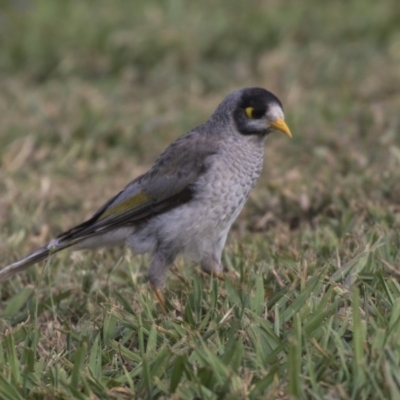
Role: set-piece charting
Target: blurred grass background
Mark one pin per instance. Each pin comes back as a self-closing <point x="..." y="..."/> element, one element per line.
<point x="92" y="92"/>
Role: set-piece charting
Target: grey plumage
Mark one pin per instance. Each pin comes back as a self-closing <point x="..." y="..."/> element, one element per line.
<point x="187" y="202"/>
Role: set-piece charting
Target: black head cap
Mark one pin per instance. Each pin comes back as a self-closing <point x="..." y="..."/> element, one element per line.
<point x="258" y="98"/>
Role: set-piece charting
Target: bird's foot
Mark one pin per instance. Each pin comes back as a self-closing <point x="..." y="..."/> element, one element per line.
<point x="219" y="275"/>
<point x="216" y="274"/>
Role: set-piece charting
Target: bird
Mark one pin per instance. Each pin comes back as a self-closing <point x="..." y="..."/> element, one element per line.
<point x="186" y="203"/>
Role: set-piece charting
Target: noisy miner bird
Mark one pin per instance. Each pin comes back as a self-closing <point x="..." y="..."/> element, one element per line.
<point x="188" y="200"/>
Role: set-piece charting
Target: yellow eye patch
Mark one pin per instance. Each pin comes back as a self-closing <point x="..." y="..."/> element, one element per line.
<point x="249" y="112"/>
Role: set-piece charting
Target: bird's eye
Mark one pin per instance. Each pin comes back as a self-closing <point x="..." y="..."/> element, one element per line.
<point x="253" y="113"/>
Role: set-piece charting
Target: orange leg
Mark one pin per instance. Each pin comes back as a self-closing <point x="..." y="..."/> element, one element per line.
<point x="158" y="293"/>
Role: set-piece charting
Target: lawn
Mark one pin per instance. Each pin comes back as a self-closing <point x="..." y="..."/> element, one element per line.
<point x="92" y="92"/>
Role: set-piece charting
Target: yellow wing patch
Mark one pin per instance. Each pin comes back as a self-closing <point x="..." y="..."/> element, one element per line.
<point x="125" y="205"/>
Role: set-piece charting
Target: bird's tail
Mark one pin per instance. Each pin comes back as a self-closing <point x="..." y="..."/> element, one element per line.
<point x="38" y="255"/>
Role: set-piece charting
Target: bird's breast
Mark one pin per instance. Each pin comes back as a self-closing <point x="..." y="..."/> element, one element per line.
<point x="224" y="189"/>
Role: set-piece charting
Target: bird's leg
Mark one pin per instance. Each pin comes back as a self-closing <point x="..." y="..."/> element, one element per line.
<point x="157" y="272"/>
<point x="212" y="266"/>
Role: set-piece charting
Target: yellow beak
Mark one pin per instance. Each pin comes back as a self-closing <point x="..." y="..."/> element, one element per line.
<point x="280" y="125"/>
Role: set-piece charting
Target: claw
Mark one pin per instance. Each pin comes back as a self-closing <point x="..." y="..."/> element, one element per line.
<point x="158" y="293"/>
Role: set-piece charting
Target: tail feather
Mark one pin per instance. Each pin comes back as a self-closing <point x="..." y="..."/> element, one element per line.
<point x="33" y="258"/>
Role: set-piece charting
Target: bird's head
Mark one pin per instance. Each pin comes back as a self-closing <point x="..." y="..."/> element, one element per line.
<point x="258" y="112"/>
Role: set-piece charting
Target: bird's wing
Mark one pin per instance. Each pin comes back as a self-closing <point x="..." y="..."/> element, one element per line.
<point x="168" y="184"/>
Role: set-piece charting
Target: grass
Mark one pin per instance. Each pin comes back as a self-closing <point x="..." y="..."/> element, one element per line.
<point x="90" y="95"/>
